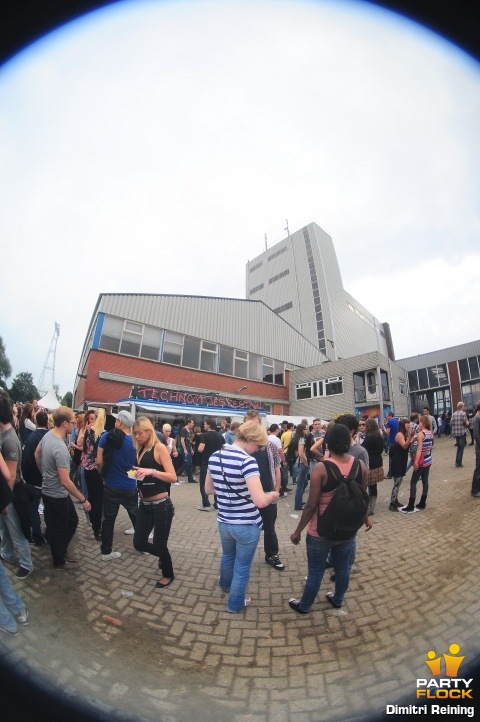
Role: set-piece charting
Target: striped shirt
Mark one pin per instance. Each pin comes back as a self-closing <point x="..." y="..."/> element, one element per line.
<point x="235" y="505"/>
<point x="427" y="447"/>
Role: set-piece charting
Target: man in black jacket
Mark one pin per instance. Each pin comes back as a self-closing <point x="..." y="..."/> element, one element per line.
<point x="33" y="476"/>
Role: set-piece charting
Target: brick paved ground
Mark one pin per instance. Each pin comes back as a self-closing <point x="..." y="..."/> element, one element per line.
<point x="179" y="655"/>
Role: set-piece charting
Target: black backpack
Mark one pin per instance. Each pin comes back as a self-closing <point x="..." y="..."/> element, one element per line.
<point x="346" y="511"/>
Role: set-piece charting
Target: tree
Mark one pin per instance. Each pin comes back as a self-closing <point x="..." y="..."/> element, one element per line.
<point x="5" y="365"/>
<point x="22" y="388"/>
<point x="67" y="400"/>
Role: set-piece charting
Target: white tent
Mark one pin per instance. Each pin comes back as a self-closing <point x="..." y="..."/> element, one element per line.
<point x="49" y="401"/>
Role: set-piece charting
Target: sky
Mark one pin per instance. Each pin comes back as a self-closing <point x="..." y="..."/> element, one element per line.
<point x="149" y="147"/>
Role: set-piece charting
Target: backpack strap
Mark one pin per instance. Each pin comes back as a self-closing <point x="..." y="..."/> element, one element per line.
<point x="226" y="480"/>
<point x="337" y="474"/>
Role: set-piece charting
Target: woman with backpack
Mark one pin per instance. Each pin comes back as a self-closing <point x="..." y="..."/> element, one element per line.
<point x="326" y="478"/>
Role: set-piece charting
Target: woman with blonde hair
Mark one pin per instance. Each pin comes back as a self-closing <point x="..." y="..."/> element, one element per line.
<point x="154" y="474"/>
<point x="234" y="477"/>
<point x="93" y="430"/>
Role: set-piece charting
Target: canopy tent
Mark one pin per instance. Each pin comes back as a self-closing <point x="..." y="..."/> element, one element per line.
<point x="49" y="401"/>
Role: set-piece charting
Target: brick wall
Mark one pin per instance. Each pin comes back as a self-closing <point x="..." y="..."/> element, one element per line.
<point x="455" y="388"/>
<point x="94" y="389"/>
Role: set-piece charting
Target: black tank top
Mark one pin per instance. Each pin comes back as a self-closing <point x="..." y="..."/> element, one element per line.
<point x="150" y="485"/>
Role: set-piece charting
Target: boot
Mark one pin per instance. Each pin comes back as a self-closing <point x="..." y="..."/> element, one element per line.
<point x="422" y="503"/>
<point x="410" y="506"/>
<point x="371" y="506"/>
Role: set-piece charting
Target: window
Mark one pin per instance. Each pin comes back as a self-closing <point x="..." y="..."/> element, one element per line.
<point x="241" y="364"/>
<point x="278" y="276"/>
<point x="279" y="373"/>
<point x="257" y="288"/>
<point x="285" y="307"/>
<point x="208" y="356"/>
<point x="334" y="386"/>
<point x="131" y="338"/>
<point x="172" y="348"/>
<point x="413" y="380"/>
<point x="267" y="371"/>
<point x="401" y="384"/>
<point x="191" y="352"/>
<point x="255" y="367"/>
<point x="473" y="363"/>
<point x="151" y="343"/>
<point x="277" y="253"/>
<point x="304" y="391"/>
<point x="371" y="383"/>
<point x="254" y="268"/>
<point x="226" y="360"/>
<point x="422" y="379"/>
<point x="111" y="334"/>
<point x="324" y="387"/>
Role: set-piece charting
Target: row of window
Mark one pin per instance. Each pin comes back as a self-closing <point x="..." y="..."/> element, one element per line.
<point x="364" y="318"/>
<point x="156" y="344"/>
<point x="256" y="288"/>
<point x="316" y="293"/>
<point x="278" y="276"/>
<point x="322" y="387"/>
<point x="285" y="307"/>
<point x="428" y="378"/>
<point x="254" y="268"/>
<point x="469" y="368"/>
<point x="277" y="253"/>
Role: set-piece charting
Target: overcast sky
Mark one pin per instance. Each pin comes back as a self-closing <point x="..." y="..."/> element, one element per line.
<point x="149" y="147"/>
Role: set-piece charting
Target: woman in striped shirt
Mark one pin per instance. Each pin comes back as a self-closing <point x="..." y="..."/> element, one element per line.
<point x="234" y="477"/>
<point x="421" y="466"/>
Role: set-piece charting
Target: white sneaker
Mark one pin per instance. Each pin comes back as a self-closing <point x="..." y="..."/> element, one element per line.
<point x="129" y="531"/>
<point x="203" y="508"/>
<point x="22" y="617"/>
<point x="112" y="555"/>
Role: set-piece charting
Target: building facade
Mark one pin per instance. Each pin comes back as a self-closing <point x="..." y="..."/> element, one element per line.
<point x="440" y="379"/>
<point x="367" y="385"/>
<point x="189" y="355"/>
<point x="299" y="278"/>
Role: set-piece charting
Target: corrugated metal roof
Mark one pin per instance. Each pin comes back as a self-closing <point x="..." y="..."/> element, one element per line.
<point x="243" y="324"/>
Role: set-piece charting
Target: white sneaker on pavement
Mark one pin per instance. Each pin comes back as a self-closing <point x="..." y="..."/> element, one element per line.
<point x="129" y="531"/>
<point x="112" y="555"/>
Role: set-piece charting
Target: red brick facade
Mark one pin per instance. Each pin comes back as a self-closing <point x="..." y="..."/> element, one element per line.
<point x="94" y="390"/>
<point x="455" y="387"/>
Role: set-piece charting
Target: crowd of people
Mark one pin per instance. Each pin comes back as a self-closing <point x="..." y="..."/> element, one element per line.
<point x="100" y="463"/>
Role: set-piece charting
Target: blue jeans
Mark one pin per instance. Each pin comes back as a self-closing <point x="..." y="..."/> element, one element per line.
<point x="13" y="536"/>
<point x="36" y="497"/>
<point x="301" y="472"/>
<point x="187" y="466"/>
<point x="159" y="518"/>
<point x="10" y="602"/>
<point x="112" y="500"/>
<point x="239" y="543"/>
<point x="342" y="555"/>
<point x="461" y="444"/>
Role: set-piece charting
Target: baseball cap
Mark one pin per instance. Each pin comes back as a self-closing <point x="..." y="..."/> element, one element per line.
<point x="125" y="418"/>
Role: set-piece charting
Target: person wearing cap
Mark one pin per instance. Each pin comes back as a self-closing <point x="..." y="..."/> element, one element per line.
<point x="115" y="457"/>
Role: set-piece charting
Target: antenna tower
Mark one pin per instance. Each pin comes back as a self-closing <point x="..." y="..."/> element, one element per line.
<point x="48" y="371"/>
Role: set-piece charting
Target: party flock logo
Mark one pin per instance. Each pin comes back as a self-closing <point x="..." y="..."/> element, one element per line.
<point x="452" y="693"/>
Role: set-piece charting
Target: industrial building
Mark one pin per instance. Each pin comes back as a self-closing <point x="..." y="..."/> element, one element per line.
<point x="299" y="278"/>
